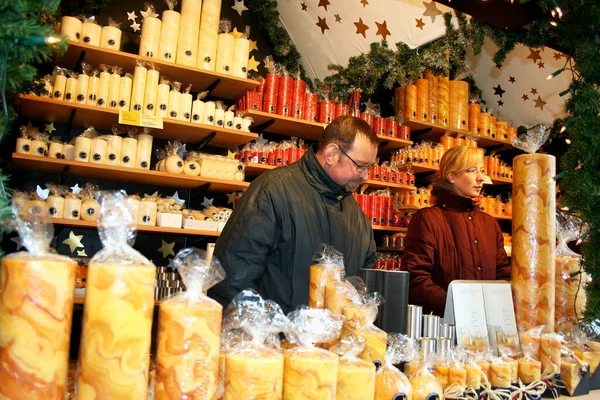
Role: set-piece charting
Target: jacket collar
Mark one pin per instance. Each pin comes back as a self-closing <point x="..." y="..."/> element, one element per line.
<point x="453" y="201"/>
<point x="319" y="179"/>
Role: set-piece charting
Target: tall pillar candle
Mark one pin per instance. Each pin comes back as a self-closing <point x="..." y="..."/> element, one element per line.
<point x="111" y="37"/>
<point x="474" y="111"/>
<point x="241" y="54"/>
<point x="83" y="146"/>
<point x="175" y="101"/>
<point x="129" y="152"/>
<point x="399" y="103"/>
<point x="189" y="27"/>
<point x="144" y="151"/>
<point x="186" y="107"/>
<point x="410" y="102"/>
<point x="125" y="92"/>
<point x="198" y="111"/>
<point x="533" y="240"/>
<point x="150" y="39"/>
<point x="71" y="87"/>
<point x="151" y="92"/>
<point x="91" y="33"/>
<point x="225" y="45"/>
<point x="83" y="81"/>
<point x="458" y="105"/>
<point x="433" y="96"/>
<point x="113" y="150"/>
<point x="103" y="87"/>
<point x="98" y="151"/>
<point x="60" y="84"/>
<point x="308" y="373"/>
<point x="169" y="34"/>
<point x="36" y="309"/>
<point x="443" y="100"/>
<point x="139" y="86"/>
<point x="162" y="99"/>
<point x="209" y="113"/>
<point x="209" y="32"/>
<point x="483" y="125"/>
<point x="93" y="88"/>
<point x="71" y="28"/>
<point x="114" y="86"/>
<point x="422" y="99"/>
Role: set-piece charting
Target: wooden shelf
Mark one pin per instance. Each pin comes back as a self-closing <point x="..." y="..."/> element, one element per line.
<point x="389" y="228"/>
<point x="393" y="186"/>
<point x="427" y="131"/>
<point x="75" y="223"/>
<point x="228" y="87"/>
<point x="418" y="168"/>
<point x="389" y="143"/>
<point x="398" y="249"/>
<point x="50" y="110"/>
<point x="107" y="172"/>
<point x="253" y="169"/>
<point x="501" y="181"/>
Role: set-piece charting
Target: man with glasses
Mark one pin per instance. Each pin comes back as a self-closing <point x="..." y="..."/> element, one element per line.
<point x="284" y="216"/>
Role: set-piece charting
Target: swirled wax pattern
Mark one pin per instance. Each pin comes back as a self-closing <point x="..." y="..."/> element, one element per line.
<point x="253" y="374"/>
<point x="424" y="385"/>
<point x="310" y="374"/>
<point x="355" y="380"/>
<point x="188" y="349"/>
<point x="390" y="382"/>
<point x="36" y="307"/>
<point x="117" y="323"/>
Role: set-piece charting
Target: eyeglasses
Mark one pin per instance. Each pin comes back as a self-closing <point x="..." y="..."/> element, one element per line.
<point x="359" y="168"/>
<point x="474" y="171"/>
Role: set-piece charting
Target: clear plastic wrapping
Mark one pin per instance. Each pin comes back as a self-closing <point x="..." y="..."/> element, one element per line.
<point x="356" y="377"/>
<point x="328" y="267"/>
<point x="390" y="381"/>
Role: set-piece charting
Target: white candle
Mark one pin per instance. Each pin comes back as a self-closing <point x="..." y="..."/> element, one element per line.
<point x="111" y="38"/>
<point x="69" y="152"/>
<point x="144" y="151"/>
<point x="133" y="205"/>
<point x="125" y="92"/>
<point x="229" y="115"/>
<point x="98" y="151"/>
<point x="220" y="117"/>
<point x="174" y="104"/>
<point x="129" y="152"/>
<point x="89" y="210"/>
<point x="72" y="209"/>
<point x="174" y="164"/>
<point x="83" y="81"/>
<point x="56" y="206"/>
<point x="189" y="26"/>
<point x="167" y="48"/>
<point x="23" y="145"/>
<point x="209" y="113"/>
<point x="93" y="88"/>
<point x="71" y="89"/>
<point x="225" y="46"/>
<point x="151" y="92"/>
<point x="114" y="85"/>
<point x="91" y="33"/>
<point x="150" y="39"/>
<point x="39" y="148"/>
<point x="162" y="100"/>
<point x="241" y="54"/>
<point x="55" y="150"/>
<point x="83" y="146"/>
<point x="103" y="88"/>
<point x="60" y="84"/>
<point x="209" y="32"/>
<point x="246" y="122"/>
<point x="198" y="111"/>
<point x="113" y="151"/>
<point x="191" y="168"/>
<point x="71" y="28"/>
<point x="238" y="123"/>
<point x="137" y="91"/>
<point x="186" y="107"/>
<point x="147" y="213"/>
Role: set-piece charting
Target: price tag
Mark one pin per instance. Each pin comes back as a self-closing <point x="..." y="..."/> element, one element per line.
<point x="138" y="119"/>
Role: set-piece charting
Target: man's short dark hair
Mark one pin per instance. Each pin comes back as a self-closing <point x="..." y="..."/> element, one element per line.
<point x="343" y="130"/>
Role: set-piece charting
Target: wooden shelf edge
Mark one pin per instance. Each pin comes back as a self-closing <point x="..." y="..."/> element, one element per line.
<point x="396" y="249"/>
<point x="389" y="228"/>
<point x="74" y="223"/>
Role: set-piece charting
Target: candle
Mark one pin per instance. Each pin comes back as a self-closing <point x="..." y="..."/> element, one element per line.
<point x="220" y="117"/>
<point x="550" y="354"/>
<point x="56" y="206"/>
<point x="425" y="386"/>
<point x="36" y="308"/>
<point x="125" y="92"/>
<point x="229" y="115"/>
<point x="399" y="103"/>
<point x="71" y="28"/>
<point x="71" y="87"/>
<point x="355" y="380"/>
<point x="483" y="124"/>
<point x="147" y="213"/>
<point x="238" y="123"/>
<point x="571" y="375"/>
<point x="338" y="294"/>
<point x="89" y="210"/>
<point x="246" y="122"/>
<point x="320" y="276"/>
<point x="411" y="367"/>
<point x="514" y="369"/>
<point x="69" y="152"/>
<point x="493" y="126"/>
<point x="175" y="101"/>
<point x="414" y="316"/>
<point x="83" y="146"/>
<point x="150" y="39"/>
<point x="198" y="111"/>
<point x="173" y="164"/>
<point x="209" y="32"/>
<point x="98" y="150"/>
<point x="500" y="375"/>
<point x="129" y="152"/>
<point x="114" y="86"/>
<point x="443" y="100"/>
<point x="133" y="205"/>
<point x="441" y="372"/>
<point x="410" y="102"/>
<point x="473" y="376"/>
<point x="474" y="112"/>
<point x="113" y="150"/>
<point x="422" y="101"/>
<point x="151" y="91"/>
<point x="310" y="373"/>
<point x="459" y="105"/>
<point x="111" y="38"/>
<point x="529" y="370"/>
<point x="209" y="113"/>
<point x="58" y="89"/>
<point x="55" y="150"/>
<point x="225" y="45"/>
<point x="253" y="373"/>
<point x="186" y="107"/>
<point x="375" y="344"/>
<point x="103" y="86"/>
<point x="189" y="28"/>
<point x="91" y="33"/>
<point x="23" y="145"/>
<point x="433" y="96"/>
<point x="431" y="326"/>
<point x="127" y="291"/>
<point x="144" y="151"/>
<point x="39" y="147"/>
<point x="72" y="208"/>
<point x="241" y="54"/>
<point x="457" y="374"/>
<point x="138" y="87"/>
<point x="93" y="88"/>
<point x="162" y="98"/>
<point x="191" y="168"/>
<point x="169" y="34"/>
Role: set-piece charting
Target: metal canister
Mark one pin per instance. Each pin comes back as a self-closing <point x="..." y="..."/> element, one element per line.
<point x="431" y="326"/>
<point x="414" y="318"/>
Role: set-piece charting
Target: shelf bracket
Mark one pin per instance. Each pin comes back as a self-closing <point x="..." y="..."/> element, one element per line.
<point x="383" y="143"/>
<point x="68" y="126"/>
<point x="494" y="147"/>
<point x="196" y="192"/>
<point x="62" y="177"/>
<point x="263" y="126"/>
<point x="213" y="85"/>
<point x="420" y="132"/>
<point x="77" y="66"/>
<point x="205" y="141"/>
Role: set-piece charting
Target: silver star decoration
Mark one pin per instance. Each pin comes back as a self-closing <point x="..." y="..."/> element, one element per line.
<point x="177" y="199"/>
<point x="18" y="241"/>
<point x="239" y="6"/>
<point x="131" y="16"/>
<point x="76" y="189"/>
<point x="43" y="193"/>
<point x="261" y="140"/>
<point x="369" y="105"/>
<point x="135" y="26"/>
<point x="182" y="150"/>
<point x="207" y="202"/>
<point x="149" y="12"/>
<point x="50" y="127"/>
<point x="81" y="253"/>
<point x="431" y="10"/>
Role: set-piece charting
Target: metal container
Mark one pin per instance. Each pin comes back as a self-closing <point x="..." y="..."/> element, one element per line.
<point x="413" y="321"/>
<point x="431" y="326"/>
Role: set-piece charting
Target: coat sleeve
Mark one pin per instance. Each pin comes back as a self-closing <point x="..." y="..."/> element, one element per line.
<point x="503" y="268"/>
<point x="418" y="259"/>
<point x="371" y="255"/>
<point x="248" y="237"/>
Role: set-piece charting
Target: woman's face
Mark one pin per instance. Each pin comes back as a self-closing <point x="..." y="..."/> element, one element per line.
<point x="469" y="181"/>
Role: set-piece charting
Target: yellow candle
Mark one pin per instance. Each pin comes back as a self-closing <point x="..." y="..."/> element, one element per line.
<point x="443" y="100"/>
<point x="310" y="374"/>
<point x="197" y="111"/>
<point x="411" y="367"/>
<point x="570" y="375"/>
<point x="458" y="105"/>
<point x="530" y="370"/>
<point x="39" y="147"/>
<point x="355" y="380"/>
<point x="72" y="209"/>
<point x="441" y="372"/>
<point x="56" y="206"/>
<point x="500" y="375"/>
<point x="375" y="344"/>
<point x="592" y="358"/>
<point x="457" y="374"/>
<point x="91" y="33"/>
<point x="410" y="102"/>
<point x="23" y="145"/>
<point x="424" y="384"/>
<point x="189" y="28"/>
<point x="337" y="295"/>
<point x="473" y="376"/>
<point x="89" y="210"/>
<point x="209" y="32"/>
<point x="320" y="276"/>
<point x="71" y="28"/>
<point x="111" y="38"/>
<point x="422" y="99"/>
<point x="550" y="354"/>
<point x="209" y="113"/>
<point x="241" y="54"/>
<point x="225" y="45"/>
<point x="254" y="374"/>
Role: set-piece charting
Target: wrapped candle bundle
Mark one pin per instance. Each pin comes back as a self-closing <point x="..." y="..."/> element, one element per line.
<point x="71" y="28"/>
<point x="529" y="367"/>
<point x="83" y="80"/>
<point x="23" y="141"/>
<point x="36" y="306"/>
<point x="189" y="28"/>
<point x="83" y="144"/>
<point x="114" y="86"/>
<point x="500" y="373"/>
<point x="186" y="104"/>
<point x="89" y="205"/>
<point x="148" y="210"/>
<point x="55" y="149"/>
<point x="34" y="205"/>
<point x="162" y="97"/>
<point x="103" y="85"/>
<point x="71" y="86"/>
<point x="47" y="83"/>
<point x="72" y="208"/>
<point x="531" y="340"/>
<point x="285" y="92"/>
<point x="474" y="374"/>
<point x="241" y="54"/>
<point x="390" y="381"/>
<point x="115" y="146"/>
<point x="253" y="368"/>
<point x="115" y="352"/>
<point x="60" y="82"/>
<point x="138" y="86"/>
<point x="189" y="328"/>
<point x="225" y="45"/>
<point x="410" y="101"/>
<point x="338" y="294"/>
<point x="174" y="100"/>
<point x="271" y="85"/>
<point x="534" y="233"/>
<point x="56" y="201"/>
<point x="328" y="267"/>
<point x="443" y="100"/>
<point x="169" y="33"/>
<point x="422" y="99"/>
<point x="220" y="114"/>
<point x="308" y="370"/>
<point x="198" y="108"/>
<point x="550" y="347"/>
<point x="356" y="377"/>
<point x="209" y="33"/>
<point x="91" y="32"/>
<point x="375" y="338"/>
<point x="151" y="89"/>
<point x="129" y="149"/>
<point x="111" y="35"/>
<point x="150" y="38"/>
<point x="144" y="149"/>
<point x="424" y="385"/>
<point x="93" y="88"/>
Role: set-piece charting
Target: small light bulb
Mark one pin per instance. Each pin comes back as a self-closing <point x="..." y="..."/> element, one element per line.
<point x="568" y="141"/>
<point x="51" y="39"/>
<point x="564" y="128"/>
<point x="553" y="23"/>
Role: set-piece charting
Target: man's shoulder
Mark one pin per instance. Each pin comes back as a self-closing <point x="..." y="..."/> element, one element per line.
<point x="278" y="176"/>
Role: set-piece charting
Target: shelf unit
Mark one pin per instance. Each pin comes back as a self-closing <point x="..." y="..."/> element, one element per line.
<point x="394" y="249"/>
<point x="389" y="228"/>
<point x="134" y="175"/>
<point x="50" y="110"/>
<point x="226" y="86"/>
<point x="416" y="208"/>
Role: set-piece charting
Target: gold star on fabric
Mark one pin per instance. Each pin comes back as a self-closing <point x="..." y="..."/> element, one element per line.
<point x="74" y="241"/>
<point x="324" y="4"/>
<point x="541" y="65"/>
<point x="253" y="46"/>
<point x="304" y="6"/>
<point x="557" y="55"/>
<point x="361" y="28"/>
<point x="230" y="154"/>
<point x="166" y="249"/>
<point x="525" y="97"/>
<point x="420" y="23"/>
<point x="534" y="55"/>
<point x="431" y="10"/>
<point x="533" y="91"/>
<point x="81" y="253"/>
<point x="322" y="24"/>
<point x="253" y="64"/>
<point x="236" y="33"/>
<point x="364" y="3"/>
<point x="338" y="18"/>
<point x="231" y="198"/>
<point x="382" y="29"/>
<point x="50" y="127"/>
<point x="539" y="103"/>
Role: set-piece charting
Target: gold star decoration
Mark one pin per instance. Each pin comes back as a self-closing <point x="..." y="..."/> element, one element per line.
<point x="322" y="24"/>
<point x="74" y="241"/>
<point x="236" y="33"/>
<point x="420" y="23"/>
<point x="253" y="64"/>
<point x="166" y="249"/>
<point x="364" y="3"/>
<point x="557" y="55"/>
<point x="338" y="18"/>
<point x="525" y="97"/>
<point x="541" y="65"/>
<point x="533" y="91"/>
<point x="361" y="28"/>
<point x="304" y="6"/>
<point x="539" y="103"/>
<point x="534" y="55"/>
<point x="50" y="127"/>
<point x="382" y="29"/>
<point x="230" y="154"/>
<point x="431" y="10"/>
<point x="231" y="198"/>
<point x="81" y="253"/>
<point x="324" y="4"/>
<point x="253" y="46"/>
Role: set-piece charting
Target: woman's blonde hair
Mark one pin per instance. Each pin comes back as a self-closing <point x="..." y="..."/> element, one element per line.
<point x="458" y="159"/>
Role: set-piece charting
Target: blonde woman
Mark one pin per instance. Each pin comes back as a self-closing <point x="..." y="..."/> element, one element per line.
<point x="453" y="239"/>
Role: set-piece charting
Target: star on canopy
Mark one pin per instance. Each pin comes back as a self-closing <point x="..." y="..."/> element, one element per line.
<point x="322" y="24"/>
<point x="431" y="10"/>
<point x="420" y="23"/>
<point x="239" y="6"/>
<point x="324" y="4"/>
<point x="361" y="28"/>
<point x="539" y="103"/>
<point x="498" y="91"/>
<point x="382" y="29"/>
<point x="534" y="55"/>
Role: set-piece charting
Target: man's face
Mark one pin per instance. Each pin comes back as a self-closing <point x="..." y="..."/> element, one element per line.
<point x="351" y="167"/>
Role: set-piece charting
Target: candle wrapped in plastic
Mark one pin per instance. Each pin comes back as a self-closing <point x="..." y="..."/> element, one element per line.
<point x="389" y="380"/>
<point x="328" y="267"/>
<point x="356" y="377"/>
<point x="586" y="350"/>
<point x="309" y="371"/>
<point x="189" y="328"/>
<point x="253" y="363"/>
<point x="529" y="366"/>
<point x="424" y="385"/>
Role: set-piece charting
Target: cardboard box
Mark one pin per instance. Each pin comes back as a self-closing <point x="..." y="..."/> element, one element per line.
<point x="167" y="220"/>
<point x="200" y="225"/>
